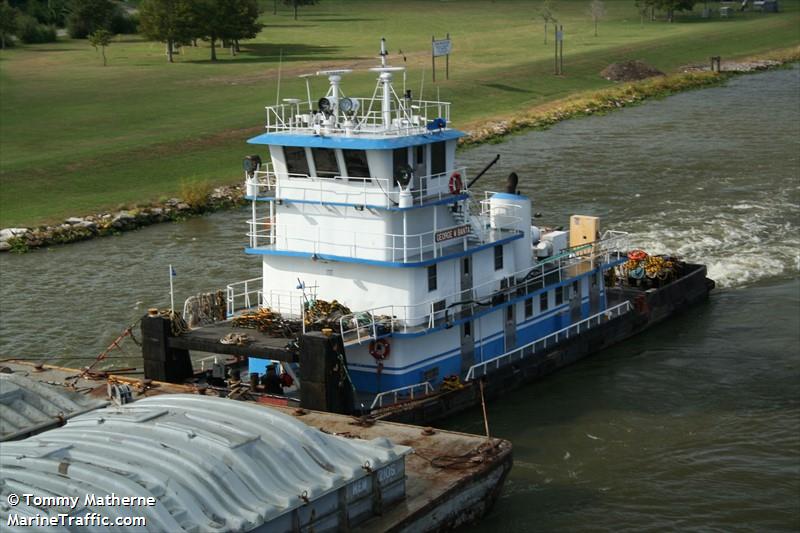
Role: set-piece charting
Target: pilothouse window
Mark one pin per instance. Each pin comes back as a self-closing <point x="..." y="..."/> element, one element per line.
<point x="296" y="162"/>
<point x="325" y="162"/>
<point x="498" y="257"/>
<point x="399" y="164"/>
<point x="438" y="158"/>
<point x="432" y="281"/>
<point x="356" y="163"/>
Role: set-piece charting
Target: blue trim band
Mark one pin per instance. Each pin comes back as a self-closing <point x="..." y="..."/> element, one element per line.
<point x="509" y="196"/>
<point x="355" y="142"/>
<point x="375" y="262"/>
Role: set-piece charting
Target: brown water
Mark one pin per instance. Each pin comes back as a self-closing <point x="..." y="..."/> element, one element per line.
<point x="694" y="425"/>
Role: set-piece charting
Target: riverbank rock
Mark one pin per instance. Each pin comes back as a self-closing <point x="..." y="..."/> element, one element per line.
<point x="75" y="229"/>
<point x="632" y="70"/>
<point x="9" y="233"/>
<point x="735" y="66"/>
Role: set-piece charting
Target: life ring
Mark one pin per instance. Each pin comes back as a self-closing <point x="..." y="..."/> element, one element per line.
<point x="455" y="183"/>
<point x="380" y="349"/>
<point x="637" y="255"/>
<point x="286" y="380"/>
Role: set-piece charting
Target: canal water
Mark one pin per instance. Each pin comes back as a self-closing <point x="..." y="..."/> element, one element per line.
<point x="694" y="425"/>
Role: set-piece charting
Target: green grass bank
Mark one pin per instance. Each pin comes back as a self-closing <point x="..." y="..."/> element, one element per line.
<point x="78" y="138"/>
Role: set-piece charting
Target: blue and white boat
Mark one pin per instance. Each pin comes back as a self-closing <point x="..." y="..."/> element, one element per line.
<point x="362" y="201"/>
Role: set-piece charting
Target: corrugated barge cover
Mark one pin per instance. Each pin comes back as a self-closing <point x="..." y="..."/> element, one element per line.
<point x="212" y="464"/>
<point x="28" y="406"/>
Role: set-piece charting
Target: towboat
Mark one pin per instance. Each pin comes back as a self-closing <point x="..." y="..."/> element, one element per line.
<point x="388" y="286"/>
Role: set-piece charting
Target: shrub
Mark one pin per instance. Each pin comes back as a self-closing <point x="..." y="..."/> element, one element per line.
<point x="195" y="193"/>
<point x="30" y="31"/>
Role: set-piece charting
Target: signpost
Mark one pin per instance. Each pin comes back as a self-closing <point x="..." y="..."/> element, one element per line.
<point x="439" y="48"/>
<point x="559" y="50"/>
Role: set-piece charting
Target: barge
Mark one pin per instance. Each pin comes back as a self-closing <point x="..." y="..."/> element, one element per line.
<point x="211" y="464"/>
<point x="388" y="286"/>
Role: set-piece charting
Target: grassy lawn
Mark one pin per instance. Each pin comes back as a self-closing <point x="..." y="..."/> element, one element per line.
<point x="77" y="137"/>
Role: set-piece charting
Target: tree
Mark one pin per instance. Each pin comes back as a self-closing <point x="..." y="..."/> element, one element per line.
<point x="669" y="6"/>
<point x="8" y="21"/>
<point x="168" y="21"/>
<point x="49" y="12"/>
<point x="101" y="38"/>
<point x="88" y="16"/>
<point x="228" y="20"/>
<point x="546" y="13"/>
<point x="598" y="10"/>
<point x="297" y="3"/>
<point x="643" y="9"/>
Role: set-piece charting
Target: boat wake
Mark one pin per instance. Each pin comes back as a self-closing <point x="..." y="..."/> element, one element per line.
<point x="741" y="243"/>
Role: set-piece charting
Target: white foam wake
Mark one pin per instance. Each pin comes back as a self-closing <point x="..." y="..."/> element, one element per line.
<point x="741" y="244"/>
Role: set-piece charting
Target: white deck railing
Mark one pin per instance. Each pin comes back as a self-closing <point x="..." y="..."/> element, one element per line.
<point x="244" y="295"/>
<point x="367" y="245"/>
<point x="249" y="294"/>
<point x="402" y="394"/>
<point x="481" y="369"/>
<point x="261" y="182"/>
<point x="299" y="117"/>
<point x="355" y="190"/>
<point x="366" y="325"/>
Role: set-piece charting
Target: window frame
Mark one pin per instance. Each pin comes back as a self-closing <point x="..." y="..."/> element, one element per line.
<point x="395" y="167"/>
<point x="438" y="153"/>
<point x="433" y="277"/>
<point x="286" y="158"/>
<point x="498" y="257"/>
<point x="325" y="173"/>
<point x="348" y="164"/>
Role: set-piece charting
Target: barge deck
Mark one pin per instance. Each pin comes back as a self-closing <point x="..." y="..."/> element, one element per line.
<point x="442" y="491"/>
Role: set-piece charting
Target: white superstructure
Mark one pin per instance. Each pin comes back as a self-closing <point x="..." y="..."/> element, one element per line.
<point x="361" y="200"/>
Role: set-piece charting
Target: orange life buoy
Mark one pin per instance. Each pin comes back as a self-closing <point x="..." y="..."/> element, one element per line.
<point x="455" y="183"/>
<point x="380" y="349"/>
<point x="637" y="255"/>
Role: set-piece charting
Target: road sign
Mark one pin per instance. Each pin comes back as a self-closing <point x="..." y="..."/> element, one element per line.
<point x="442" y="47"/>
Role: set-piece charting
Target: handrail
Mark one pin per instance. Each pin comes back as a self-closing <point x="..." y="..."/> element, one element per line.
<point x="248" y="294"/>
<point x="404" y="316"/>
<point x="405" y="120"/>
<point x="231" y="295"/>
<point x="348" y="243"/>
<point x="356" y="190"/>
<point x="428" y="389"/>
<point x="530" y="348"/>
